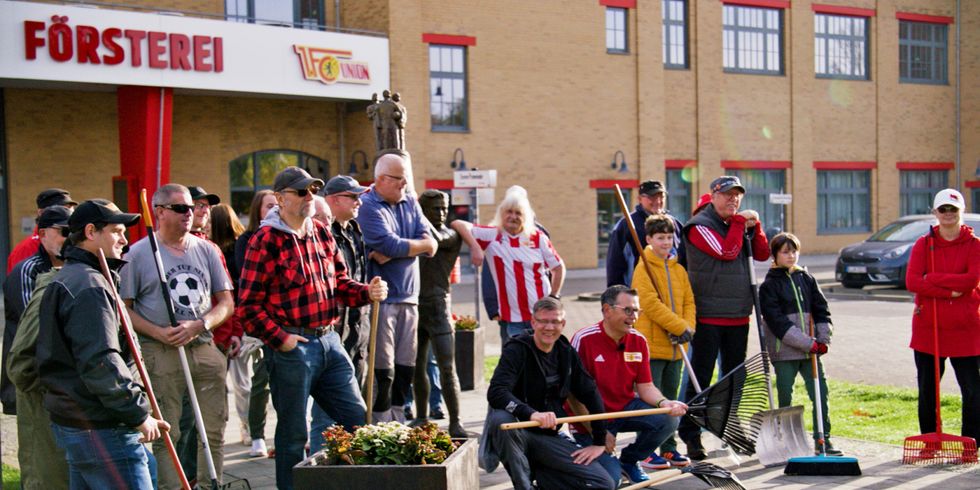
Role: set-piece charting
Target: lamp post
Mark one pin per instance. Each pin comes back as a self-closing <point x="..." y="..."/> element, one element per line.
<point x="459" y="165"/>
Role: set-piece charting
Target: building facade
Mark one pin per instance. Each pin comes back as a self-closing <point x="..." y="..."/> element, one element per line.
<point x="839" y="116"/>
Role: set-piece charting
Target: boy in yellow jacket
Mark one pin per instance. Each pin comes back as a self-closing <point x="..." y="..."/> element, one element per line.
<point x="666" y="322"/>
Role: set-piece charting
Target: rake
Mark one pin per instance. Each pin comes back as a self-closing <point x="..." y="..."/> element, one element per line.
<point x="937" y="447"/>
<point x="713" y="475"/>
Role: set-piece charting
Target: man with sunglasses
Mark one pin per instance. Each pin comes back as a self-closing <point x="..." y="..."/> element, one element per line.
<point x="617" y="356"/>
<point x="719" y="241"/>
<point x="195" y="273"/>
<point x="202" y="210"/>
<point x="292" y="286"/>
<point x="396" y="233"/>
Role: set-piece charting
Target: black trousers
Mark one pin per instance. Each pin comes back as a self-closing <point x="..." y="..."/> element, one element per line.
<point x="709" y="342"/>
<point x="967" y="370"/>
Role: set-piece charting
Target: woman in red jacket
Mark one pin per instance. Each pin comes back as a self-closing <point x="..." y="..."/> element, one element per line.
<point x="948" y="281"/>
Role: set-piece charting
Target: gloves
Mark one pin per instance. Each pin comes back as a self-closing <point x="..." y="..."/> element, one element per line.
<point x="818" y="348"/>
<point x="682" y="338"/>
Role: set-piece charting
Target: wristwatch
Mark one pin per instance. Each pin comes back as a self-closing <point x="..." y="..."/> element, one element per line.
<point x="207" y="324"/>
<point x="554" y="295"/>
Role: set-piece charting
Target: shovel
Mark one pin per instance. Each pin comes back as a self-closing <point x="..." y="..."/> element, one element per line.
<point x="781" y="435"/>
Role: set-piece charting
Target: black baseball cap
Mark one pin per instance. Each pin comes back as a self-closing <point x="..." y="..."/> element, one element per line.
<point x="652" y="187"/>
<point x="343" y="183"/>
<point x="53" y="216"/>
<point x="54" y="197"/>
<point x="99" y="211"/>
<point x="294" y="178"/>
<point x="200" y="193"/>
<point x="726" y="183"/>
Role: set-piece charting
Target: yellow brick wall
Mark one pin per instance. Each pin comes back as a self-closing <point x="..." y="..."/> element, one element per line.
<point x="66" y="139"/>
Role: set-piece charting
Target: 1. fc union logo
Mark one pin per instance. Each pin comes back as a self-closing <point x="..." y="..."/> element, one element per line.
<point x="331" y="66"/>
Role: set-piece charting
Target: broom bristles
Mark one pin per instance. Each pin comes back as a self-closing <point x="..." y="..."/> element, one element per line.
<point x="726" y="408"/>
<point x="714" y="475"/>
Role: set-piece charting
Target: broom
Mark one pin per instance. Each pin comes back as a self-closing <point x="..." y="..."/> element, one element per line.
<point x="713" y="475"/>
<point x="937" y="447"/>
<point x="821" y="464"/>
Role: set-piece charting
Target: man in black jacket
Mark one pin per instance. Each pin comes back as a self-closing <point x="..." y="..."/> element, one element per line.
<point x="535" y="376"/>
<point x="99" y="413"/>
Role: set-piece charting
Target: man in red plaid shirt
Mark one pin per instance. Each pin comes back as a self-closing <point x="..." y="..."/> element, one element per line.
<point x="292" y="284"/>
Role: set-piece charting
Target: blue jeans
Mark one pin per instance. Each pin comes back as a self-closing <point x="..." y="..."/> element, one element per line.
<point x="512" y="329"/>
<point x="651" y="432"/>
<point x="319" y="368"/>
<point x="105" y="458"/>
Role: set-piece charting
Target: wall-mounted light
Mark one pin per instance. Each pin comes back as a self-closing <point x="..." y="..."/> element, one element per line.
<point x="619" y="159"/>
<point x="352" y="168"/>
<point x="461" y="163"/>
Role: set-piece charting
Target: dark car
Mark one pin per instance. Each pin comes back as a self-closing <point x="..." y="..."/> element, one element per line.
<point x="882" y="258"/>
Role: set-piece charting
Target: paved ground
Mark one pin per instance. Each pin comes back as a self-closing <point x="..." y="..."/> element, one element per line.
<point x="870" y="346"/>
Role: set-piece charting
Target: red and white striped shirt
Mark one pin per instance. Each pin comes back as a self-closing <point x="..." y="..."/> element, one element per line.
<point x="519" y="265"/>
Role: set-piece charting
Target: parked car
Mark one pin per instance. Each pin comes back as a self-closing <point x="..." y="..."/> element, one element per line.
<point x="883" y="257"/>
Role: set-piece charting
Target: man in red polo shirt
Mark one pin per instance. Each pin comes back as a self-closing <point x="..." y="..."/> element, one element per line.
<point x="617" y="357"/>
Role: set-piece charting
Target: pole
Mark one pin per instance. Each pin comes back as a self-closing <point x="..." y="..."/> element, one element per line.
<point x="185" y="367"/>
<point x="141" y="368"/>
<point x="477" y="278"/>
<point x="369" y="382"/>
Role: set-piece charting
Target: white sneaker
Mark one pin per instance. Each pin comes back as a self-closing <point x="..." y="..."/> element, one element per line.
<point x="258" y="449"/>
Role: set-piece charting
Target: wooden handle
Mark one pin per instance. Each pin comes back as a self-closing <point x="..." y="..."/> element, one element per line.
<point x="588" y="418"/>
<point x="662" y="476"/>
<point x="145" y="210"/>
<point x="369" y="379"/>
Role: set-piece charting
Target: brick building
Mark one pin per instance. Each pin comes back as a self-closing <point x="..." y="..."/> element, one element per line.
<point x="858" y="109"/>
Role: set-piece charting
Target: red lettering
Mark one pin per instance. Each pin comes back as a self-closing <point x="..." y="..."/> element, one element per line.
<point x="60" y="45"/>
<point x="31" y="40"/>
<point x="180" y="50"/>
<point x="219" y="56"/>
<point x="135" y="48"/>
<point x="109" y="37"/>
<point x="347" y="71"/>
<point x="88" y="44"/>
<point x="155" y="50"/>
<point x="201" y="53"/>
<point x="365" y="74"/>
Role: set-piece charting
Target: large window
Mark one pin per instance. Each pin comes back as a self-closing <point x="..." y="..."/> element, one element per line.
<point x="447" y="88"/>
<point x="758" y="185"/>
<point x="917" y="189"/>
<point x="843" y="201"/>
<point x="840" y="48"/>
<point x="616" y="34"/>
<point x="752" y="40"/>
<point x="675" y="33"/>
<point x="255" y="171"/>
<point x="921" y="52"/>
<point x="679" y="192"/>
<point x="307" y="14"/>
<point x="608" y="214"/>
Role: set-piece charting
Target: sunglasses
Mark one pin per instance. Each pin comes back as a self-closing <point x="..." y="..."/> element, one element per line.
<point x="947" y="208"/>
<point x="177" y="208"/>
<point x="304" y="192"/>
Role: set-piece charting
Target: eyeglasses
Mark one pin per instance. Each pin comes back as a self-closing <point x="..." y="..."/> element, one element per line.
<point x="353" y="197"/>
<point x="304" y="192"/>
<point x="947" y="208"/>
<point x="628" y="310"/>
<point x="549" y="322"/>
<point x="400" y="178"/>
<point x="177" y="208"/>
<point x="201" y="205"/>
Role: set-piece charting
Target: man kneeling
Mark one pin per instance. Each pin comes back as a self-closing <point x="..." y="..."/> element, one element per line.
<point x="618" y="357"/>
<point x="535" y="376"/>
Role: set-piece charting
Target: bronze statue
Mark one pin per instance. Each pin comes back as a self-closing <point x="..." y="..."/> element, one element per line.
<point x="434" y="313"/>
<point x="389" y="117"/>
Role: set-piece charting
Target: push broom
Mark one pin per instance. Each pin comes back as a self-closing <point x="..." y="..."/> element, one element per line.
<point x="937" y="447"/>
<point x="821" y="464"/>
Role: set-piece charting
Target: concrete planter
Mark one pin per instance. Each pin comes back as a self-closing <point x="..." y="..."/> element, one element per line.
<point x="458" y="472"/>
<point x="469" y="358"/>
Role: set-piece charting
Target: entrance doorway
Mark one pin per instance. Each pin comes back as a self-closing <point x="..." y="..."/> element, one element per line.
<point x="607" y="214"/>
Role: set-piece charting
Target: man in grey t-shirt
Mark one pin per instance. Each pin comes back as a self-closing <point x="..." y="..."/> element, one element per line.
<point x="201" y="293"/>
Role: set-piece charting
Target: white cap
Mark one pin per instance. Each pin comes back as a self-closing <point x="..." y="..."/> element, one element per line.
<point x="948" y="196"/>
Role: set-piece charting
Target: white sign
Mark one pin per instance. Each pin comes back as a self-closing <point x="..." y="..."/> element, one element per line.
<point x="59" y="43"/>
<point x="464" y="197"/>
<point x="470" y="179"/>
<point x="781" y="198"/>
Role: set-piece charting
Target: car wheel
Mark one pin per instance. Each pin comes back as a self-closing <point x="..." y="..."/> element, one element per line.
<point x="851" y="285"/>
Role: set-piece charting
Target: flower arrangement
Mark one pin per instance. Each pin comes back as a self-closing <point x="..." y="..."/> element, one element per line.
<point x="388" y="443"/>
<point x="465" y="322"/>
